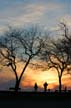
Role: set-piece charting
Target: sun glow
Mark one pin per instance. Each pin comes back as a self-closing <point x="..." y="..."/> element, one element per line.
<point x="32" y="75"/>
<point x="50" y="76"/>
<point x="40" y="77"/>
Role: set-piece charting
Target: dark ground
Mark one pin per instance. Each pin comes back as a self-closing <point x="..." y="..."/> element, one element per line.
<point x="35" y="99"/>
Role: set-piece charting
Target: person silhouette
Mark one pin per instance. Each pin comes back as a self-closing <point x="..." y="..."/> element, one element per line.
<point x="65" y="89"/>
<point x="45" y="86"/>
<point x="35" y="87"/>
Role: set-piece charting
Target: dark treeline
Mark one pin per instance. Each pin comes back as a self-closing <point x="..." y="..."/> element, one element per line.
<point x="26" y="45"/>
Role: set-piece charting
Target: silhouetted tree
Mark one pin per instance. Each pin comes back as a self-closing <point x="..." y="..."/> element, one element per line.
<point x="8" y="50"/>
<point x="57" y="56"/>
<point x="66" y="43"/>
<point x="22" y="45"/>
<point x="59" y="60"/>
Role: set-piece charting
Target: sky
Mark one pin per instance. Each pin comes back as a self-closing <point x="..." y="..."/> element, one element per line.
<point x="31" y="75"/>
<point x="46" y="13"/>
<point x="21" y="13"/>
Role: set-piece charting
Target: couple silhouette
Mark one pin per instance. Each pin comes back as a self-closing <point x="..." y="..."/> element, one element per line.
<point x="44" y="85"/>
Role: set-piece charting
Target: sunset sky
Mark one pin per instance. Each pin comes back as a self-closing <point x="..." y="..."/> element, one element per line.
<point x="47" y="14"/>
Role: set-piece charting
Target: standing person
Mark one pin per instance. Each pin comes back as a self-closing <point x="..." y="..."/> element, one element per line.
<point x="45" y="86"/>
<point x="35" y="87"/>
<point x="65" y="89"/>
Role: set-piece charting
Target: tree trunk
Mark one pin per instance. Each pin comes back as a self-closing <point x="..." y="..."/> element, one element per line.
<point x="19" y="79"/>
<point x="60" y="85"/>
<point x="16" y="86"/>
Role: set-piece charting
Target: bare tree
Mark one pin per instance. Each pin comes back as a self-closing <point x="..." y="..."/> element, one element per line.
<point x="8" y="52"/>
<point x="59" y="59"/>
<point x="23" y="45"/>
<point x="57" y="56"/>
<point x="66" y="43"/>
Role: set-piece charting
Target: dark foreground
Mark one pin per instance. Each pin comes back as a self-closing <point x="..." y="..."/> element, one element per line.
<point x="35" y="100"/>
